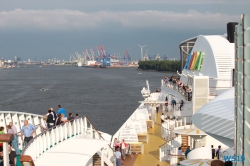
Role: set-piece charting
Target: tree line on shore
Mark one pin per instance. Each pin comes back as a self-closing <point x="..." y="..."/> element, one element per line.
<point x="164" y="65"/>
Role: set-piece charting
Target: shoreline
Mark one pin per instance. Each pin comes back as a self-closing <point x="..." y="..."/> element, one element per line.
<point x="157" y="71"/>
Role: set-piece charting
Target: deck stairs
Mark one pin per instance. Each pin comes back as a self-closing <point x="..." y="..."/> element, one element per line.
<point x="97" y="160"/>
<point x="184" y="143"/>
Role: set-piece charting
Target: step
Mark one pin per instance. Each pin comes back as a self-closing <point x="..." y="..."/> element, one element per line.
<point x="97" y="160"/>
<point x="184" y="143"/>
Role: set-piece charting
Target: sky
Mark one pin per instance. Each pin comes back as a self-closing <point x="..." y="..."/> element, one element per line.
<point x="43" y="29"/>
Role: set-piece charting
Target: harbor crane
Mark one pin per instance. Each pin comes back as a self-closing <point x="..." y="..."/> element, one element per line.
<point x="92" y="53"/>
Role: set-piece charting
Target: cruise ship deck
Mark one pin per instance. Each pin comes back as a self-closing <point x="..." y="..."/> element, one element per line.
<point x="151" y="149"/>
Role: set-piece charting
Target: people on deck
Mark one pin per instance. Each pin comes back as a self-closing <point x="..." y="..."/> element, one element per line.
<point x="173" y="102"/>
<point x="15" y="141"/>
<point x="181" y="104"/>
<point x="63" y="119"/>
<point x="166" y="100"/>
<point x="27" y="131"/>
<point x="116" y="143"/>
<point x="179" y="151"/>
<point x="54" y="116"/>
<point x="123" y="146"/>
<point x="213" y="151"/>
<point x="62" y="111"/>
<point x="157" y="90"/>
<point x="77" y="116"/>
<point x="10" y="131"/>
<point x="157" y="108"/>
<point x="71" y="117"/>
<point x="187" y="151"/>
<point x="12" y="155"/>
<point x="162" y="118"/>
<point x="43" y="124"/>
<point x="228" y="163"/>
<point x="217" y="163"/>
<point x="50" y="121"/>
<point x="218" y="152"/>
<point x="118" y="156"/>
<point x="59" y="119"/>
<point x="1" y="143"/>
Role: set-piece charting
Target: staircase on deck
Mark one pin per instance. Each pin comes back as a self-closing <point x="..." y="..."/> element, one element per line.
<point x="97" y="160"/>
<point x="184" y="144"/>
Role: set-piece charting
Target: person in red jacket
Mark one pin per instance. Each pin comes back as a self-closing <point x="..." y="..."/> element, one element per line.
<point x="123" y="146"/>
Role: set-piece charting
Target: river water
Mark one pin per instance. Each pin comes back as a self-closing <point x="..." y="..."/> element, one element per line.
<point x="106" y="96"/>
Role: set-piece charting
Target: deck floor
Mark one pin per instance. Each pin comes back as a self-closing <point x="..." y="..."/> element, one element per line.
<point x="151" y="149"/>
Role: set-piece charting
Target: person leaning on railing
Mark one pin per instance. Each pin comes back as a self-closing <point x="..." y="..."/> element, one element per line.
<point x="59" y="119"/>
<point x="1" y="143"/>
<point x="15" y="141"/>
<point x="28" y="131"/>
<point x="43" y="124"/>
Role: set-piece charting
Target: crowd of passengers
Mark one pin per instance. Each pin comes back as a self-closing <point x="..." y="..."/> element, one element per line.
<point x="50" y="120"/>
<point x="173" y="102"/>
<point x="180" y="85"/>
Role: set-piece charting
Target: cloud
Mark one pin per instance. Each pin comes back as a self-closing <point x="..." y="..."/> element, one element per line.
<point x="186" y="2"/>
<point x="62" y="19"/>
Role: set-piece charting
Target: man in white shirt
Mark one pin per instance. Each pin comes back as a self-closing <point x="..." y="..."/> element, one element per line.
<point x="15" y="141"/>
<point x="162" y="118"/>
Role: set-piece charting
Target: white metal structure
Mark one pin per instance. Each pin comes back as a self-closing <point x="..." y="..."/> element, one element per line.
<point x="217" y="118"/>
<point x="218" y="63"/>
<point x="141" y="51"/>
<point x="58" y="142"/>
<point x="205" y="83"/>
<point x="242" y="90"/>
<point x="17" y="118"/>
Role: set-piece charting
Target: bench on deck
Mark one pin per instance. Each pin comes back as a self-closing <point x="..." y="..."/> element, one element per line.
<point x="150" y="123"/>
<point x="136" y="147"/>
<point x="143" y="137"/>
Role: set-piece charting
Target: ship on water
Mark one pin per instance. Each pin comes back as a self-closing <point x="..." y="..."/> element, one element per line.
<point x="193" y="110"/>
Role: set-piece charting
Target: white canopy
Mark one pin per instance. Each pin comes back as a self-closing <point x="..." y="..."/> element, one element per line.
<point x="76" y="152"/>
<point x="197" y="162"/>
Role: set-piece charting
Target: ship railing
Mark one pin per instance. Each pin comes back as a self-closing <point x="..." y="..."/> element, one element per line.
<point x="166" y="148"/>
<point x="136" y="147"/>
<point x="165" y="133"/>
<point x="80" y="127"/>
<point x="215" y="91"/>
<point x="187" y="95"/>
<point x="176" y="121"/>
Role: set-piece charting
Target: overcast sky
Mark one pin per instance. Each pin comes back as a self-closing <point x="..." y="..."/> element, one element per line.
<point x="43" y="29"/>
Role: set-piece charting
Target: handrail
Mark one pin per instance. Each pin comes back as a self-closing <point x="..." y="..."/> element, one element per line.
<point x="69" y="129"/>
<point x="49" y="129"/>
<point x="176" y="154"/>
<point x="58" y="126"/>
<point x="165" y="128"/>
<point x="169" y="140"/>
<point x="21" y="129"/>
<point x="94" y="127"/>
